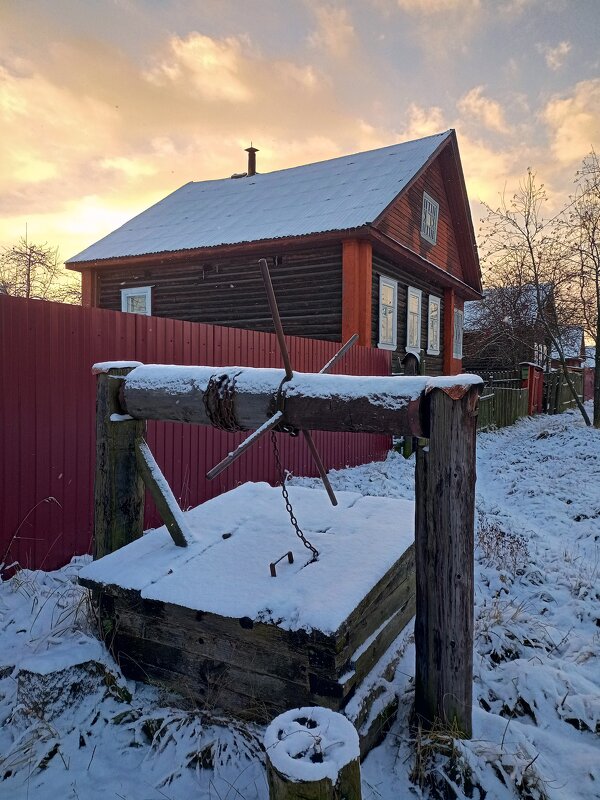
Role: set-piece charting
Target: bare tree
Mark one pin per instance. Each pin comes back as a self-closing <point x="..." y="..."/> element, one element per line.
<point x="583" y="224"/>
<point x="36" y="271"/>
<point x="523" y="248"/>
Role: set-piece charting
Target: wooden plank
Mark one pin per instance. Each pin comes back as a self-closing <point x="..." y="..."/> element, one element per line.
<point x="389" y="594"/>
<point x="268" y="655"/>
<point x="163" y="497"/>
<point x="216" y="686"/>
<point x="370" y="655"/>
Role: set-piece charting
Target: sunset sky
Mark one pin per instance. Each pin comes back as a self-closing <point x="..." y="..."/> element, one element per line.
<point x="108" y="105"/>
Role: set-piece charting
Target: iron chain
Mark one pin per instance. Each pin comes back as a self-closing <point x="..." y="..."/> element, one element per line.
<point x="288" y="505"/>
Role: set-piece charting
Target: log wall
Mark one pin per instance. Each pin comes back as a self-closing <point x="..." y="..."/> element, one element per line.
<point x="229" y="291"/>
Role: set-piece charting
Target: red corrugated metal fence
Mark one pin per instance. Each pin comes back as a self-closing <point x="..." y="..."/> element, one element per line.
<point x="47" y="408"/>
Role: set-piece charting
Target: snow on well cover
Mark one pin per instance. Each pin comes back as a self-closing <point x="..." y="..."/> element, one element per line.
<point x="359" y="540"/>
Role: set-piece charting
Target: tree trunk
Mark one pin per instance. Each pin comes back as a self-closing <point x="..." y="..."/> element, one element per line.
<point x="597" y="372"/>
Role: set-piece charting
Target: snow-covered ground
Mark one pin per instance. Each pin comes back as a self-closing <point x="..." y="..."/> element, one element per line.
<point x="85" y="732"/>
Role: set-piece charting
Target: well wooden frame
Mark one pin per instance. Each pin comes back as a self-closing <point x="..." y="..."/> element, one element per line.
<point x="444" y="410"/>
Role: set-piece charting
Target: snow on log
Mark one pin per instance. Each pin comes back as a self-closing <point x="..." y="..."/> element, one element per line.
<point x="312" y="752"/>
<point x="370" y="404"/>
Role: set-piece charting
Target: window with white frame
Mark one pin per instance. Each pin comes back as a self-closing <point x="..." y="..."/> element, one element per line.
<point x="433" y="326"/>
<point x="413" y="320"/>
<point x="457" y="347"/>
<point x="429" y="218"/>
<point x="137" y="300"/>
<point x="388" y="313"/>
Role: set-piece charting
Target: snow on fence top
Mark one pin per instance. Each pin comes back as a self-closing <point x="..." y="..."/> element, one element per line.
<point x="234" y="537"/>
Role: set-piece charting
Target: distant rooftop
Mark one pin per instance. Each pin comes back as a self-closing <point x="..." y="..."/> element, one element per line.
<point x="339" y="194"/>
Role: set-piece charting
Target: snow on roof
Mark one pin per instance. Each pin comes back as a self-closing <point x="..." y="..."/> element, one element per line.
<point x="338" y="194"/>
<point x="235" y="536"/>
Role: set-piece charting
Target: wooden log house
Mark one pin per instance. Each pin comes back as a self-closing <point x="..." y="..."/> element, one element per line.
<point x="379" y="243"/>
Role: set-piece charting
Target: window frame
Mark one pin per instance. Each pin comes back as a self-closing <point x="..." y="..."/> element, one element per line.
<point x="134" y="291"/>
<point x="433" y="351"/>
<point x="459" y="314"/>
<point x="410" y="348"/>
<point x="429" y="232"/>
<point x="393" y="285"/>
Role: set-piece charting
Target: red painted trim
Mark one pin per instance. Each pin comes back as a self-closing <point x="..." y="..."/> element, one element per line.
<point x="89" y="288"/>
<point x="357" y="277"/>
<point x="365" y="278"/>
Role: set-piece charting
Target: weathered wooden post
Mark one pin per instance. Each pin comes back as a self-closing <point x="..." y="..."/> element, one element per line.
<point x="312" y="754"/>
<point x="444" y="553"/>
<point x="118" y="485"/>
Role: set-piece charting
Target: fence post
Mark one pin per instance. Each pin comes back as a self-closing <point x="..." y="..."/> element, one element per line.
<point x="118" y="485"/>
<point x="444" y="551"/>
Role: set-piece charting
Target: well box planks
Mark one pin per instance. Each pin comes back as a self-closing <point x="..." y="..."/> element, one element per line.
<point x="210" y="622"/>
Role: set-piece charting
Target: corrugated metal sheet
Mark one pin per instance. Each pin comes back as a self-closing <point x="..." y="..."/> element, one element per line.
<point x="338" y="194"/>
<point x="47" y="417"/>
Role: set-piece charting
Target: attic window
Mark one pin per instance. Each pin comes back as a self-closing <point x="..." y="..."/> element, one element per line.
<point x="137" y="300"/>
<point x="429" y="218"/>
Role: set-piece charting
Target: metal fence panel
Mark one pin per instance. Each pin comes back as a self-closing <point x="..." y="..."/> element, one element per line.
<point x="47" y="417"/>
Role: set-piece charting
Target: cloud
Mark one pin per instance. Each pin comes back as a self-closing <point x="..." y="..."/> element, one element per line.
<point x="80" y="119"/>
<point x="555" y="56"/>
<point x="422" y="121"/>
<point x="430" y="7"/>
<point x="480" y="108"/>
<point x="574" y="122"/>
<point x="335" y="32"/>
<point x="213" y="68"/>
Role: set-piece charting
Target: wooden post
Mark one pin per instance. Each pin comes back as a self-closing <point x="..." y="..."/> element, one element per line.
<point x="444" y="553"/>
<point x="313" y="753"/>
<point x="118" y="485"/>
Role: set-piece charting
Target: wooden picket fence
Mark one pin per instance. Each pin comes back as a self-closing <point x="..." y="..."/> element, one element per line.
<point x="557" y="394"/>
<point x="503" y="400"/>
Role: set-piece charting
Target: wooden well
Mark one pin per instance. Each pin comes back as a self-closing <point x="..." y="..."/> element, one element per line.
<point x="210" y="622"/>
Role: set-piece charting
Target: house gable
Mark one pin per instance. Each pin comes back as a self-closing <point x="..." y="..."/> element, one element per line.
<point x="402" y="222"/>
<point x="455" y="249"/>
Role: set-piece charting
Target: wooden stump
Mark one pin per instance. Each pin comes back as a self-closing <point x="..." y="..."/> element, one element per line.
<point x="312" y="754"/>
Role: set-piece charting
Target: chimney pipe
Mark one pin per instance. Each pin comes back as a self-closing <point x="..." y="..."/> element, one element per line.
<point x="252" y="151"/>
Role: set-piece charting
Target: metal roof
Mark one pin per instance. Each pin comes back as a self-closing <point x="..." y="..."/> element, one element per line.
<point x="339" y="194"/>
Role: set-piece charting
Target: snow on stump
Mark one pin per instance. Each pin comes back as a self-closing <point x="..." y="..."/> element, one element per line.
<point x="312" y="754"/>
